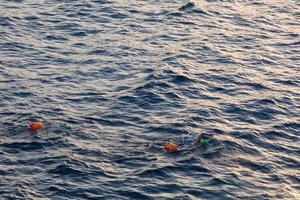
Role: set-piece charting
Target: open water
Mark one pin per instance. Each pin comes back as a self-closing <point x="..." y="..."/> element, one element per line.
<point x="113" y="80"/>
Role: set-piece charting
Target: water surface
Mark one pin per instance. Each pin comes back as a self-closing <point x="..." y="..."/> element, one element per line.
<point x="127" y="76"/>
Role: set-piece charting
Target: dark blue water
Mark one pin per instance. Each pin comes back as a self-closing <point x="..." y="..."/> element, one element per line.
<point x="124" y="77"/>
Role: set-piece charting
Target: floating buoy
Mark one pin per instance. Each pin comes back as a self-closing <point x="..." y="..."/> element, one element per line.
<point x="170" y="147"/>
<point x="34" y="126"/>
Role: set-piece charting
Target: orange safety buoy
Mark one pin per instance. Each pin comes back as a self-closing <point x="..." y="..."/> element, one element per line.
<point x="34" y="126"/>
<point x="170" y="147"/>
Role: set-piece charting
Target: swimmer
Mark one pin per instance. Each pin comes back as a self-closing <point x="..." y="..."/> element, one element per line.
<point x="189" y="142"/>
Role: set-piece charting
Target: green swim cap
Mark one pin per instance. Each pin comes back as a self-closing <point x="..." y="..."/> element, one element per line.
<point x="64" y="125"/>
<point x="204" y="143"/>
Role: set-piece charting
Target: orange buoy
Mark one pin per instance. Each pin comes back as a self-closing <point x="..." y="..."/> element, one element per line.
<point x="170" y="147"/>
<point x="34" y="126"/>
